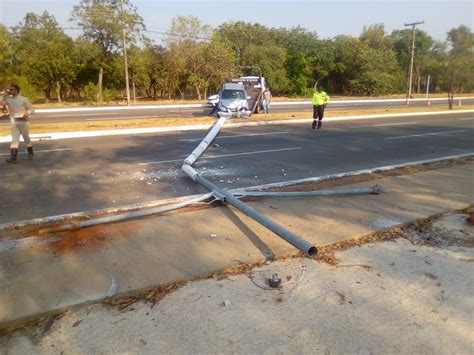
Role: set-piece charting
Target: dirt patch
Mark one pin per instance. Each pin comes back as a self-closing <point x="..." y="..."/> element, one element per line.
<point x="88" y="238"/>
<point x="453" y="229"/>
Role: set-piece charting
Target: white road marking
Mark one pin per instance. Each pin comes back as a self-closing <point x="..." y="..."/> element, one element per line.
<point x="385" y="124"/>
<point x="84" y="114"/>
<point x="224" y="155"/>
<point x="118" y="118"/>
<point x="233" y="136"/>
<point x="162" y="162"/>
<point x="43" y="151"/>
<point x="427" y="134"/>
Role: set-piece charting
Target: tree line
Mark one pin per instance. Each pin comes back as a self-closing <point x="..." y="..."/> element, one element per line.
<point x="194" y="59"/>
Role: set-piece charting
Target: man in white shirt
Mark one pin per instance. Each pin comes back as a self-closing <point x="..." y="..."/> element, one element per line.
<point x="19" y="107"/>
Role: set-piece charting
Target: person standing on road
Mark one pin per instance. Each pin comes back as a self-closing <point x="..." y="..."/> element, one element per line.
<point x="267" y="98"/>
<point x="19" y="107"/>
<point x="320" y="99"/>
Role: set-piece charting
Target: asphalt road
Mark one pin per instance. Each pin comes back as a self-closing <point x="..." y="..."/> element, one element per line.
<point x="74" y="175"/>
<point x="144" y="113"/>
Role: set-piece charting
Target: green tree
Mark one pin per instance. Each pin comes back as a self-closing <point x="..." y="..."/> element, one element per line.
<point x="43" y="51"/>
<point x="379" y="72"/>
<point x="219" y="64"/>
<point x="205" y="60"/>
<point x="376" y="38"/>
<point x="175" y="73"/>
<point x="154" y="78"/>
<point x="301" y="46"/>
<point x="6" y="55"/>
<point x="422" y="63"/>
<point x="459" y="63"/>
<point x="271" y="60"/>
<point x="187" y="35"/>
<point x="255" y="45"/>
<point x="240" y="35"/>
<point x="297" y="71"/>
<point x="85" y="56"/>
<point x="102" y="22"/>
<point x="346" y="65"/>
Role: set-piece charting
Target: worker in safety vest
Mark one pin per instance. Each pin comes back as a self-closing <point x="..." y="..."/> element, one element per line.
<point x="320" y="99"/>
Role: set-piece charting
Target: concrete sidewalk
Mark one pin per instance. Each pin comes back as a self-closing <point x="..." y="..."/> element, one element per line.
<point x="40" y="275"/>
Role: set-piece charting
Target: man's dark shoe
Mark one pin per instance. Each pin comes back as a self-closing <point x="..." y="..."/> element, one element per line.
<point x="30" y="153"/>
<point x="319" y="124"/>
<point x="13" y="155"/>
<point x="314" y="124"/>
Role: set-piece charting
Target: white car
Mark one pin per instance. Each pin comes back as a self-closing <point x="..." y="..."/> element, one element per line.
<point x="213" y="100"/>
<point x="231" y="101"/>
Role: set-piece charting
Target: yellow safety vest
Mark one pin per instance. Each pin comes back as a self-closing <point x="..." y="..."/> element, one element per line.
<point x="320" y="98"/>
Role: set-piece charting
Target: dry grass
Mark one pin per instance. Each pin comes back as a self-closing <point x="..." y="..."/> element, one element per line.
<point x="174" y="121"/>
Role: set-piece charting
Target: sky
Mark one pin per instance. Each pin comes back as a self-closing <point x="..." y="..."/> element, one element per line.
<point x="327" y="18"/>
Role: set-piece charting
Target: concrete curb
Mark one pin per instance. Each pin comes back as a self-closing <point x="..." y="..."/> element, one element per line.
<point x="123" y="209"/>
<point x="356" y="172"/>
<point x="90" y="214"/>
<point x="199" y="127"/>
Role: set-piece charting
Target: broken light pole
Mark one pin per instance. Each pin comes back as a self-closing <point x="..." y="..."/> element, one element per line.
<point x="230" y="198"/>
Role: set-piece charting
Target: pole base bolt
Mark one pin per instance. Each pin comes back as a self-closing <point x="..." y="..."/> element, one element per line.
<point x="274" y="281"/>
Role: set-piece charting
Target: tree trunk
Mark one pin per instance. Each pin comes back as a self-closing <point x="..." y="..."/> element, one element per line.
<point x="418" y="79"/>
<point x="198" y="92"/>
<point x="450" y="97"/>
<point x="58" y="91"/>
<point x="101" y="76"/>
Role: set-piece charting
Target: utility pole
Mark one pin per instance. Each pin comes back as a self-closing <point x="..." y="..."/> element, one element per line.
<point x="413" y="25"/>
<point x="428" y="85"/>
<point x="124" y="42"/>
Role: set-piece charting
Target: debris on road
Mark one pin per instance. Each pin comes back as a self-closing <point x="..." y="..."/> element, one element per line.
<point x="470" y="219"/>
<point x="112" y="290"/>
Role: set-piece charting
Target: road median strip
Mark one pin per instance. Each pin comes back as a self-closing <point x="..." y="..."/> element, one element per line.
<point x="86" y="129"/>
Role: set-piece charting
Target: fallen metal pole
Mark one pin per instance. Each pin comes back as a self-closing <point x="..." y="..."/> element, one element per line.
<point x="348" y="191"/>
<point x="229" y="198"/>
<point x="127" y="216"/>
<point x="197" y="152"/>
